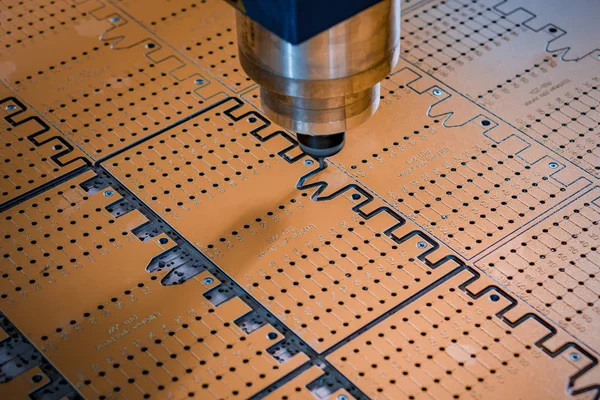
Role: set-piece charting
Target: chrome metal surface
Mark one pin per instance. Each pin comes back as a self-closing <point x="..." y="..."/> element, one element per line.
<point x="330" y="83"/>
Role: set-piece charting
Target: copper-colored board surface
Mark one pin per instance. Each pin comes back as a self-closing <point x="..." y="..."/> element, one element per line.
<point x="212" y="46"/>
<point x="32" y="153"/>
<point x="180" y="348"/>
<point x="456" y="169"/>
<point x="463" y="340"/>
<point x="60" y="239"/>
<point x="555" y="109"/>
<point x="112" y="85"/>
<point x="484" y="152"/>
<point x="517" y="59"/>
<point x="129" y="341"/>
<point x="555" y="266"/>
<point x="319" y="266"/>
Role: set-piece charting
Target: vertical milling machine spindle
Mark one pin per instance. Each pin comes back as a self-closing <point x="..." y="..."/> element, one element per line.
<point x="318" y="63"/>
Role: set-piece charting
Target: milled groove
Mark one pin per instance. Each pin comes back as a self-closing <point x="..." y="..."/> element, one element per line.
<point x="188" y="254"/>
<point x="43" y="188"/>
<point x="198" y="262"/>
<point x="160" y="131"/>
<point x="397" y="308"/>
<point x="552" y="331"/>
<point x="331" y="379"/>
<point x="157" y="225"/>
<point x="282" y="381"/>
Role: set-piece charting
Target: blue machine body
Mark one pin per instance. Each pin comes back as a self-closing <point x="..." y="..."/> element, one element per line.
<point x="298" y="20"/>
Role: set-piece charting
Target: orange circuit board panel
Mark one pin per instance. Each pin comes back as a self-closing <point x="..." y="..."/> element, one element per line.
<point x="161" y="238"/>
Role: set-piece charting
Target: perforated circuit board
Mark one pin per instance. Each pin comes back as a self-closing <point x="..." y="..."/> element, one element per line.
<point x="162" y="239"/>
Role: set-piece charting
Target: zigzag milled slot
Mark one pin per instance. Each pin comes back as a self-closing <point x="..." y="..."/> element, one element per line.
<point x="466" y="44"/>
<point x="127" y="36"/>
<point x="213" y="44"/>
<point x="329" y="265"/>
<point x="583" y="365"/>
<point x="541" y="104"/>
<point x="454" y="342"/>
<point x="566" y="289"/>
<point x="570" y="37"/>
<point x="543" y="92"/>
<point x="394" y="226"/>
<point x="204" y="255"/>
<point x="443" y="102"/>
<point x="38" y="129"/>
<point x="457" y="167"/>
<point x="51" y="156"/>
<point x="265" y="131"/>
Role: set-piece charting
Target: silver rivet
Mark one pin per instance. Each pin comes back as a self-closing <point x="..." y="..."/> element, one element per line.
<point x="553" y="165"/>
<point x="11" y="107"/>
<point x="208" y="280"/>
<point x="342" y="397"/>
<point x="115" y="19"/>
<point x="108" y="193"/>
<point x="437" y="92"/>
<point x="444" y="216"/>
<point x="308" y="162"/>
<point x="199" y="81"/>
<point x="271" y="336"/>
<point x="574" y="357"/>
<point x="421" y="245"/>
